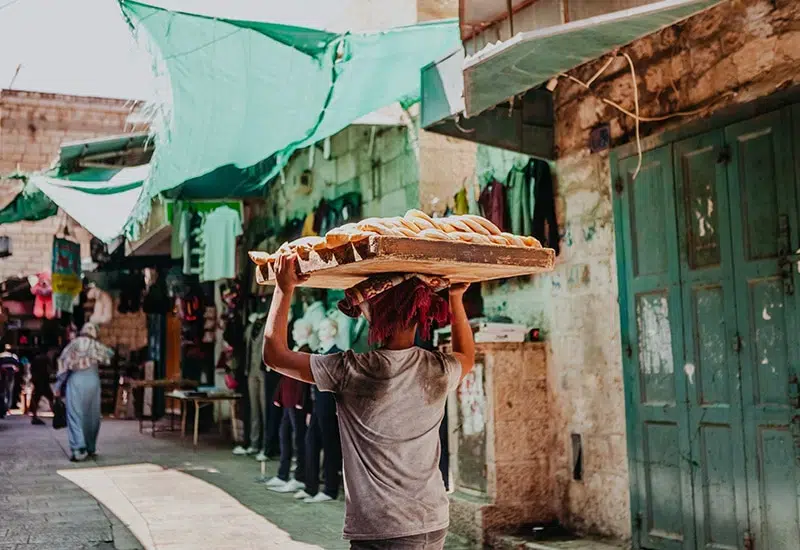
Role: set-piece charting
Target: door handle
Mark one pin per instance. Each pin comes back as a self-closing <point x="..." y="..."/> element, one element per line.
<point x="794" y="394"/>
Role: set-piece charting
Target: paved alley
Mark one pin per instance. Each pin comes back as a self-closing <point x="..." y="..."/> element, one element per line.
<point x="146" y="492"/>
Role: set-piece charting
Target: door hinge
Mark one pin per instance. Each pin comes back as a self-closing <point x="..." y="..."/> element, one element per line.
<point x="737" y="343"/>
<point x="628" y="351"/>
<point x="748" y="541"/>
<point x="619" y="186"/>
<point x="724" y="155"/>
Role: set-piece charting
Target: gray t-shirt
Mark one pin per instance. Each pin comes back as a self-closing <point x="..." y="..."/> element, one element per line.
<point x="390" y="405"/>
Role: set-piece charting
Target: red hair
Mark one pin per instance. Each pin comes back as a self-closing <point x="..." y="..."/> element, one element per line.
<point x="410" y="303"/>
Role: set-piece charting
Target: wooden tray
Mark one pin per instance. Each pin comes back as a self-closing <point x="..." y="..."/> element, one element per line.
<point x="350" y="264"/>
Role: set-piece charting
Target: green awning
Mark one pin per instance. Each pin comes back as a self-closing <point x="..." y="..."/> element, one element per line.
<point x="245" y="94"/>
<point x="101" y="200"/>
<point x="530" y="59"/>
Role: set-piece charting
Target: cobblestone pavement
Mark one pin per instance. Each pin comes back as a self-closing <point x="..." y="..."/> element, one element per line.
<point x="41" y="509"/>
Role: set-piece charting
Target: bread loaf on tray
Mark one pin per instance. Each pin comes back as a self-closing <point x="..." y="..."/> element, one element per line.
<point x="414" y="225"/>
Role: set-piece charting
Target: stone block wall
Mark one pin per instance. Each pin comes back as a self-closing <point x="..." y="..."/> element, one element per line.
<point x="736" y="52"/>
<point x="33" y="126"/>
<point x="125" y="330"/>
<point x="514" y="413"/>
<point x="385" y="172"/>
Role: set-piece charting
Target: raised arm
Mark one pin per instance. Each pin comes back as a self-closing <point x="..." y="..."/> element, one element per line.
<point x="463" y="342"/>
<point x="277" y="354"/>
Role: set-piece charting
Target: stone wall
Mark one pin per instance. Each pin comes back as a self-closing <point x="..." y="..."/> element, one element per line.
<point x="33" y="126"/>
<point x="734" y="53"/>
<point x="125" y="330"/>
<point x="385" y="173"/>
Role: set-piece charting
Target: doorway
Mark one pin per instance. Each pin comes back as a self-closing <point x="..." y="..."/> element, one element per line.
<point x="706" y="236"/>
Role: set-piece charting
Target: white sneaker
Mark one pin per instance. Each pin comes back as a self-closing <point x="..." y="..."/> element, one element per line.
<point x="261" y="457"/>
<point x="319" y="497"/>
<point x="275" y="482"/>
<point x="301" y="495"/>
<point x="252" y="451"/>
<point x="239" y="451"/>
<point x="291" y="486"/>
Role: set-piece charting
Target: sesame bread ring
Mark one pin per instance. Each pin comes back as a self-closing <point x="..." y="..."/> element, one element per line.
<point x="418" y="214"/>
<point x="433" y="235"/>
<point x="260" y="258"/>
<point x="474" y="226"/>
<point x="406" y="232"/>
<point x="357" y="236"/>
<point x="456" y="224"/>
<point x="513" y="240"/>
<point x="421" y="224"/>
<point x="489" y="226"/>
<point x="411" y="226"/>
<point x="376" y="226"/>
<point x="474" y="238"/>
<point x="531" y="242"/>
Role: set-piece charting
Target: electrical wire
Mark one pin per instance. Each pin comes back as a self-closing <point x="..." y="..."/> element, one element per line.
<point x="638" y="120"/>
<point x="636" y="115"/>
<point x="7" y="4"/>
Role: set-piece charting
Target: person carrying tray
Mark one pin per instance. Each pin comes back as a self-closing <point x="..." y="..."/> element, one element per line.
<point x="390" y="401"/>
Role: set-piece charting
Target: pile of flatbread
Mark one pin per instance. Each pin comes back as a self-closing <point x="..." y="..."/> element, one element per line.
<point x="415" y="225"/>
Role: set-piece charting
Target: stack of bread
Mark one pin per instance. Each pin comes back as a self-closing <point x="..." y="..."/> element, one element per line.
<point x="414" y="225"/>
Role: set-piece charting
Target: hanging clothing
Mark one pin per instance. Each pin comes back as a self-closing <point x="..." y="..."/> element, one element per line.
<point x="220" y="231"/>
<point x="308" y="226"/>
<point x="545" y="224"/>
<point x="184" y="237"/>
<point x="461" y="202"/>
<point x="493" y="204"/>
<point x="520" y="209"/>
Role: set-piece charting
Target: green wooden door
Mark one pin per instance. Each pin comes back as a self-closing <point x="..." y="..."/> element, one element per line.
<point x="710" y="330"/>
<point x="710" y="360"/>
<point x="662" y="498"/>
<point x="764" y="228"/>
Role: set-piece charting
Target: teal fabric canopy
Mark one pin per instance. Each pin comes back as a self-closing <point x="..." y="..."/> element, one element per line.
<point x="101" y="200"/>
<point x="244" y="95"/>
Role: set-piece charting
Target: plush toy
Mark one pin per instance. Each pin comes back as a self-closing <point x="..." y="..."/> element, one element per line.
<point x="42" y="288"/>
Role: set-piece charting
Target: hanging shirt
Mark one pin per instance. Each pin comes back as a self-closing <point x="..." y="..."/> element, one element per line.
<point x="461" y="205"/>
<point x="308" y="226"/>
<point x="493" y="204"/>
<point x="545" y="224"/>
<point x="220" y="231"/>
<point x="520" y="210"/>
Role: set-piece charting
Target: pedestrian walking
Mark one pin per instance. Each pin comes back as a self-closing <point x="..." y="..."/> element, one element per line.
<point x="9" y="367"/>
<point x="390" y="402"/>
<point x="78" y="369"/>
<point x="41" y="369"/>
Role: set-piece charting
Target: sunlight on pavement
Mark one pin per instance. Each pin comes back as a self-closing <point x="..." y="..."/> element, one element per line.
<point x="170" y="510"/>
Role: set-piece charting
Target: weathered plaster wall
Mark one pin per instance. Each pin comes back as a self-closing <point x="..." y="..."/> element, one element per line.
<point x="735" y="53"/>
<point x="576" y="308"/>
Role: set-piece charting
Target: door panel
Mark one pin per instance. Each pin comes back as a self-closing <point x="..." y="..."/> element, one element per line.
<point x="762" y="199"/>
<point x="709" y="327"/>
<point x="649" y="236"/>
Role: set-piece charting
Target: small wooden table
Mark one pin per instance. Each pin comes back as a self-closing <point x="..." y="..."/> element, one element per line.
<point x="164" y="384"/>
<point x="201" y="401"/>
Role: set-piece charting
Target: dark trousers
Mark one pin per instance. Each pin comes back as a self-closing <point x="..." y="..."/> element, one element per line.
<point x="323" y="435"/>
<point x="427" y="541"/>
<point x="272" y="445"/>
<point x="293" y="423"/>
<point x="41" y="389"/>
